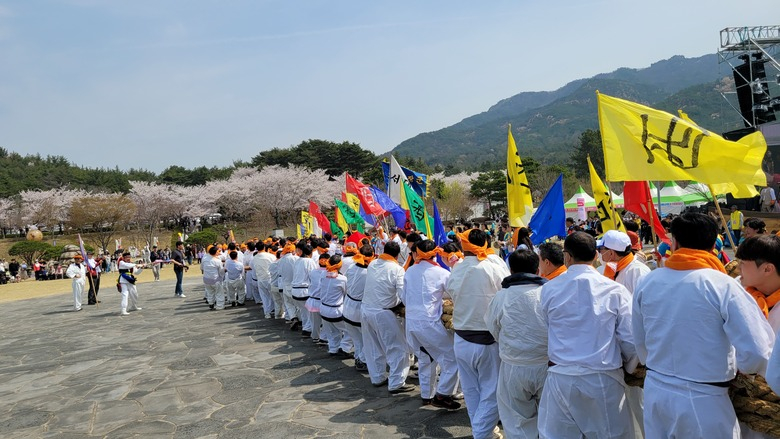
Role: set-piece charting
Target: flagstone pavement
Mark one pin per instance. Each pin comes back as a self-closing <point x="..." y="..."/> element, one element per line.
<point x="177" y="370"/>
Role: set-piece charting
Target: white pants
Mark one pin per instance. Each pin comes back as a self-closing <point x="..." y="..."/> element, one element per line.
<point x="316" y="322"/>
<point x="478" y="367"/>
<point x="279" y="303"/>
<point x="383" y="345"/>
<point x="264" y="292"/>
<point x="129" y="297"/>
<point x="585" y="405"/>
<point x="156" y="271"/>
<point x="289" y="303"/>
<point x="635" y="397"/>
<point x="356" y="336"/>
<point x="683" y="409"/>
<point x="303" y="314"/>
<point x="215" y="295"/>
<point x="518" y="394"/>
<point x="432" y="344"/>
<point x="78" y="291"/>
<point x="251" y="289"/>
<point x="335" y="334"/>
<point x="236" y="290"/>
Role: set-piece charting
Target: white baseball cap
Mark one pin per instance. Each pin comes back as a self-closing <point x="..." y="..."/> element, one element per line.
<point x="614" y="240"/>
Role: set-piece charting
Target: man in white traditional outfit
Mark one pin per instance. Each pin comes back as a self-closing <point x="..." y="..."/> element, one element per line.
<point x="236" y="284"/>
<point x="250" y="277"/>
<point x="261" y="267"/>
<point x="383" y="334"/>
<point x="78" y="273"/>
<point x="353" y="303"/>
<point x="588" y="320"/>
<point x="286" y="268"/>
<point x="472" y="285"/>
<point x="302" y="269"/>
<point x="694" y="328"/>
<point x="516" y="322"/>
<point x="127" y="273"/>
<point x="424" y="291"/>
<point x="347" y="260"/>
<point x="622" y="267"/>
<point x="213" y="275"/>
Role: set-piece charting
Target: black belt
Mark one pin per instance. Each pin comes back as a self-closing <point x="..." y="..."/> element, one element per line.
<point x="723" y="384"/>
<point x="356" y="300"/>
<point x="331" y="306"/>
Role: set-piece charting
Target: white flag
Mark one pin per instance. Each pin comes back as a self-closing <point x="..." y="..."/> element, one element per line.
<point x="395" y="181"/>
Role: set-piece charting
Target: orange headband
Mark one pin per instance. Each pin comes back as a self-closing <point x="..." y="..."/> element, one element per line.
<point x="426" y="255"/>
<point x="288" y="248"/>
<point x="333" y="268"/>
<point x="447" y="256"/>
<point x="363" y="260"/>
<point x="480" y="252"/>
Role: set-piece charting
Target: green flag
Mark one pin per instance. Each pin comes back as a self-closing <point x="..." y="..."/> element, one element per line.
<point x="418" y="214"/>
<point x="350" y="216"/>
<point x="336" y="229"/>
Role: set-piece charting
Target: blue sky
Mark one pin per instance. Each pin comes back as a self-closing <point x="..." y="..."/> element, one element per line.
<point x="152" y="83"/>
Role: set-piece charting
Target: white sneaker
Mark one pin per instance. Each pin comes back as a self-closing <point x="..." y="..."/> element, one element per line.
<point x="135" y="309"/>
<point x="124" y="313"/>
<point x="181" y="295"/>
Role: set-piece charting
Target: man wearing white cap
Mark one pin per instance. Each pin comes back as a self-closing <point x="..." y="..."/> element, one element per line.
<point x="621" y="266"/>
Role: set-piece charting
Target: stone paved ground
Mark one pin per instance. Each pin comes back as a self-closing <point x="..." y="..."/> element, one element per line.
<point x="176" y="370"/>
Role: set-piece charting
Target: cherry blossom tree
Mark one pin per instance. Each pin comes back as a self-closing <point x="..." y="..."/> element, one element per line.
<point x="102" y="214"/>
<point x="48" y="208"/>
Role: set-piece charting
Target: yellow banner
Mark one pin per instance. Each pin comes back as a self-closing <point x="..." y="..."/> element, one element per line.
<point x="641" y="143"/>
<point x="342" y="223"/>
<point x="519" y="203"/>
<point x="308" y="223"/>
<point x="353" y="201"/>
<point x="610" y="219"/>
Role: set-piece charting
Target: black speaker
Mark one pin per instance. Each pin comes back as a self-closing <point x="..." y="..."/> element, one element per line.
<point x="753" y="91"/>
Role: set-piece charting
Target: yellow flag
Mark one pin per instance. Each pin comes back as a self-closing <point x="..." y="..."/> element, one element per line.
<point x="307" y="222"/>
<point x="641" y="143"/>
<point x="736" y="190"/>
<point x="342" y="223"/>
<point x="519" y="204"/>
<point x="610" y="220"/>
<point x="352" y="201"/>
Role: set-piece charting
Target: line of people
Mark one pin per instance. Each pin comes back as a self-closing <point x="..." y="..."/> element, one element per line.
<point x="540" y="342"/>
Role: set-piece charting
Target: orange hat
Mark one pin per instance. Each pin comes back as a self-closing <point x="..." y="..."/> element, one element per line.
<point x="78" y="257"/>
<point x="636" y="244"/>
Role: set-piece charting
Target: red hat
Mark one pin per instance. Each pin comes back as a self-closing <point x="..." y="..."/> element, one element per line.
<point x="636" y="244"/>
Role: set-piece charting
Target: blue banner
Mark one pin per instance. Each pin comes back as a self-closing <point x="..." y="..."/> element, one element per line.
<point x="419" y="182"/>
<point x="550" y="218"/>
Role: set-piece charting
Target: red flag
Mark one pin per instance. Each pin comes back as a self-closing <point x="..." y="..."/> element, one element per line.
<point x="637" y="199"/>
<point x="363" y="192"/>
<point x="322" y="220"/>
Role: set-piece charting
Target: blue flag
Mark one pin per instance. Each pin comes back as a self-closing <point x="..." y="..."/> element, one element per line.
<point x="439" y="235"/>
<point x="399" y="216"/>
<point x="550" y="218"/>
<point x="418" y="182"/>
<point x="366" y="217"/>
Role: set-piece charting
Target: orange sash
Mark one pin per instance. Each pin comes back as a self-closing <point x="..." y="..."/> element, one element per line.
<point x="386" y="257"/>
<point x="690" y="259"/>
<point x="555" y="273"/>
<point x="765" y="303"/>
<point x="621" y="265"/>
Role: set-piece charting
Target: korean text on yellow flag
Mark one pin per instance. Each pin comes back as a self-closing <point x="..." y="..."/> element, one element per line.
<point x="519" y="202"/>
<point x="608" y="216"/>
<point x="307" y="222"/>
<point x="352" y="201"/>
<point x="641" y="143"/>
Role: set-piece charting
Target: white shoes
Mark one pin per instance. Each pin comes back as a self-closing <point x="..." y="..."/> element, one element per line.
<point x="135" y="309"/>
<point x="124" y="313"/>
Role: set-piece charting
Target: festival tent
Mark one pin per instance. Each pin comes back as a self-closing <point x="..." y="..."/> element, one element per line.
<point x="571" y="205"/>
<point x="590" y="202"/>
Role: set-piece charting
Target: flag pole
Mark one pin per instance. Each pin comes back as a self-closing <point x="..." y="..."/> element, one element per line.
<point x="652" y="222"/>
<point x="722" y="218"/>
